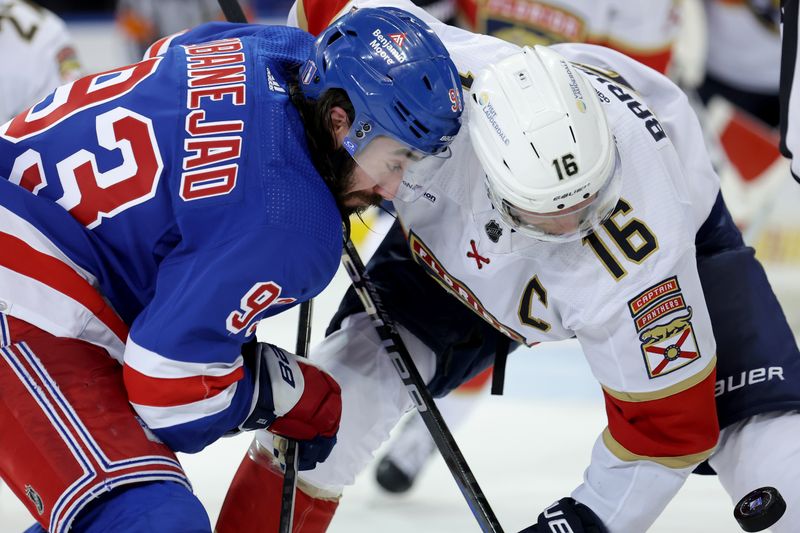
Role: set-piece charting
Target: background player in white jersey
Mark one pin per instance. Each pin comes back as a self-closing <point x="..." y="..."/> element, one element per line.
<point x="37" y="55"/>
<point x="642" y="30"/>
<point x="629" y="248"/>
<point x="153" y="214"/>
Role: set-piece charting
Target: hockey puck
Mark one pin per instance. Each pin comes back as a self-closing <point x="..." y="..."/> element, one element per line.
<point x="759" y="509"/>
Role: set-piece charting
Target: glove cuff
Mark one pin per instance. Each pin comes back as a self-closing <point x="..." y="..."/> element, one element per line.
<point x="262" y="412"/>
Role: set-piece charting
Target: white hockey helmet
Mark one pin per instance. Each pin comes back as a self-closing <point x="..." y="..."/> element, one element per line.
<point x="538" y="128"/>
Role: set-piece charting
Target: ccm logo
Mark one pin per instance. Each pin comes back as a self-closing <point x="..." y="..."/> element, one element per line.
<point x="750" y="377"/>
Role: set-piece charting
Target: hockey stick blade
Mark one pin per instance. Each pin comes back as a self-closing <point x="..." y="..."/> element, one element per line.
<point x="417" y="389"/>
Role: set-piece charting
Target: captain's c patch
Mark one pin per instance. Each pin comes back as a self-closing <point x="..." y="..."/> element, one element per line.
<point x="663" y="322"/>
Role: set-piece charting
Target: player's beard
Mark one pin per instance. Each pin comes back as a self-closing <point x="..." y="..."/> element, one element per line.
<point x="353" y="202"/>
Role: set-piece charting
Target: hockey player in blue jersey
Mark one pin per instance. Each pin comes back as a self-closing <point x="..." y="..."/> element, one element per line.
<point x="154" y="213"/>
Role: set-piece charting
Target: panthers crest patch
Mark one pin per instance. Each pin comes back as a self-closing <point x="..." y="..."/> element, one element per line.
<point x="664" y="324"/>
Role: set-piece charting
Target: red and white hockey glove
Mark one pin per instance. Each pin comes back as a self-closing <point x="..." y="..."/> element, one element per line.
<point x="294" y="399"/>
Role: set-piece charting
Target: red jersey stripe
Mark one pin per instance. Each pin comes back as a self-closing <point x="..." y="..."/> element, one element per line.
<point x="167" y="392"/>
<point x="23" y="259"/>
<point x="316" y="15"/>
<point x="681" y="424"/>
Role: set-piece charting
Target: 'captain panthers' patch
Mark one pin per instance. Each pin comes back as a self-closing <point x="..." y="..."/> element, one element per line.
<point x="663" y="322"/>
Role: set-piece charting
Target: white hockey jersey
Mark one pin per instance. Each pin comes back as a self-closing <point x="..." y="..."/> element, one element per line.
<point x="641" y="30"/>
<point x="754" y="67"/>
<point x="37" y="55"/>
<point x="630" y="293"/>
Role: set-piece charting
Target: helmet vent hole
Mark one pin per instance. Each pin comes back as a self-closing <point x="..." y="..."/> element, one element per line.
<point x="401" y="110"/>
<point x="573" y="135"/>
<point x="421" y="127"/>
<point x="587" y="195"/>
<point x="334" y="36"/>
<point x="475" y="97"/>
<point x="534" y="151"/>
<point x="506" y="164"/>
<point x="427" y="83"/>
<point x="417" y="134"/>
<point x="560" y="206"/>
<point x="351" y="32"/>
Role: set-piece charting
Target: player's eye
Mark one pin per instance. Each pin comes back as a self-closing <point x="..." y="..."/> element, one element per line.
<point x="394" y="167"/>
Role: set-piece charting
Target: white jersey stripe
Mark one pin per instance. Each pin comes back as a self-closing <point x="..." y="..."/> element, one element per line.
<point x="162" y="417"/>
<point x="155" y="365"/>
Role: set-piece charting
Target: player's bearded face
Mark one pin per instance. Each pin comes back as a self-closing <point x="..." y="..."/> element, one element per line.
<point x="355" y="189"/>
<point x="360" y="192"/>
<point x="351" y="188"/>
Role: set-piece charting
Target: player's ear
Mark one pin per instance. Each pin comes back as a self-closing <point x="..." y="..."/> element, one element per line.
<point x="340" y="123"/>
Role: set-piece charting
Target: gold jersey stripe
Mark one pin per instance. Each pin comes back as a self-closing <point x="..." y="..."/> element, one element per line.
<point x="682" y="461"/>
<point x="302" y="21"/>
<point x="686" y="384"/>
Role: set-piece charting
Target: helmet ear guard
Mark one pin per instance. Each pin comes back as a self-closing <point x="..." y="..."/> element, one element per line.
<point x="543" y="139"/>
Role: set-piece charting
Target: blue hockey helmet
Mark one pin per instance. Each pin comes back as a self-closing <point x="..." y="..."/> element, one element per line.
<point x="403" y="86"/>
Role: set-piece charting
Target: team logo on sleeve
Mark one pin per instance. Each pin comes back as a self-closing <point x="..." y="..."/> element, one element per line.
<point x="663" y="322"/>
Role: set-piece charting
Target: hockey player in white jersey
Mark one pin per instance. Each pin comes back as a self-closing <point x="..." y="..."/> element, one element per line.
<point x="582" y="203"/>
<point x="37" y="55"/>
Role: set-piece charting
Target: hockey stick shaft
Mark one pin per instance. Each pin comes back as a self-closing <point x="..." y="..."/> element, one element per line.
<point x="232" y="10"/>
<point x="290" y="473"/>
<point x="418" y="391"/>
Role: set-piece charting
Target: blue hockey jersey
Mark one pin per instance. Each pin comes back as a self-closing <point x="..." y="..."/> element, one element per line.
<point x="161" y="209"/>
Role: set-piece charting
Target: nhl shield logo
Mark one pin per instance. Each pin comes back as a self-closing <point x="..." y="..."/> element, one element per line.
<point x="34" y="497"/>
<point x="668" y="347"/>
<point x="493" y="230"/>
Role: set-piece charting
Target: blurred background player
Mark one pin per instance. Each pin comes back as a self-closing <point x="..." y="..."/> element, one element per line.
<point x="746" y="76"/>
<point x="739" y="89"/>
<point x="143" y="22"/>
<point x="643" y="31"/>
<point x="36" y="55"/>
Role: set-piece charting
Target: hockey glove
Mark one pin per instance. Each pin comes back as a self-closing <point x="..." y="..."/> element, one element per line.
<point x="567" y="516"/>
<point x="294" y="399"/>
